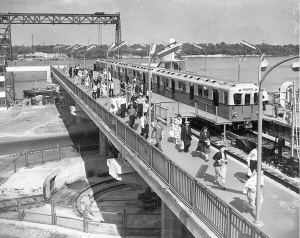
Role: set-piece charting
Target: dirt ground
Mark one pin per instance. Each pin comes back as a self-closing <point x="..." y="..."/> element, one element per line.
<point x="12" y="231"/>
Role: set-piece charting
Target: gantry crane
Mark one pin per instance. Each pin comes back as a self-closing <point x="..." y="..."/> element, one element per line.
<point x="8" y="19"/>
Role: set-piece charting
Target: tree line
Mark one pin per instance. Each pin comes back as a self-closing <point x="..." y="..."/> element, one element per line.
<point x="136" y="50"/>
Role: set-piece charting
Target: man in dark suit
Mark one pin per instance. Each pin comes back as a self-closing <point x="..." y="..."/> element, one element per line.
<point x="186" y="136"/>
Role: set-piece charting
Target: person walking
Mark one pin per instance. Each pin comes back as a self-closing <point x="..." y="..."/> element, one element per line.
<point x="111" y="86"/>
<point x="250" y="190"/>
<point x="159" y="133"/>
<point x="145" y="126"/>
<point x="186" y="136"/>
<point x="251" y="162"/>
<point x="94" y="94"/>
<point x="204" y="142"/>
<point x="220" y="165"/>
<point x="132" y="115"/>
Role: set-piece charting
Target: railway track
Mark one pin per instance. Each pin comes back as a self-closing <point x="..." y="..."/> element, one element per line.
<point x="241" y="156"/>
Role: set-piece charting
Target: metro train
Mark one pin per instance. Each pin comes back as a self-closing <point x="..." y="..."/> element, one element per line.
<point x="235" y="101"/>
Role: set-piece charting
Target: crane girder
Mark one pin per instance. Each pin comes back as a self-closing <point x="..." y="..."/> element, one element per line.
<point x="8" y="19"/>
<point x="40" y="18"/>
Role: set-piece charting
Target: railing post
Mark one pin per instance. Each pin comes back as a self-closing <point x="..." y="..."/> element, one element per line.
<point x="168" y="123"/>
<point x="42" y="156"/>
<point x="15" y="166"/>
<point x="169" y="172"/>
<point x="26" y="158"/>
<point x="79" y="149"/>
<point x="173" y="109"/>
<point x="84" y="219"/>
<point x="19" y="210"/>
<point x="193" y="194"/>
<point x="228" y="224"/>
<point x="58" y="153"/>
<point x="124" y="222"/>
<point x="53" y="214"/>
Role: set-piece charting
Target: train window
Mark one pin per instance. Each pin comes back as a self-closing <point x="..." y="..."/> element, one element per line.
<point x="205" y="92"/>
<point x="255" y="98"/>
<point x="247" y="99"/>
<point x="225" y="99"/>
<point x="183" y="87"/>
<point x="237" y="97"/>
<point x="200" y="91"/>
<point x="179" y="85"/>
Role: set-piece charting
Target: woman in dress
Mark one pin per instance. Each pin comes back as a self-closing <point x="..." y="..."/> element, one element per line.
<point x="177" y="131"/>
<point x="204" y="142"/>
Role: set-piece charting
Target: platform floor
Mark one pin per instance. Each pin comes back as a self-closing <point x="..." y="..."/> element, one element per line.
<point x="280" y="209"/>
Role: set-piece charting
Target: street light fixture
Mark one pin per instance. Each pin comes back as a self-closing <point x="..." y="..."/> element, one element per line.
<point x="86" y="50"/>
<point x="168" y="49"/>
<point x="200" y="47"/>
<point x="239" y="59"/>
<point x="259" y="129"/>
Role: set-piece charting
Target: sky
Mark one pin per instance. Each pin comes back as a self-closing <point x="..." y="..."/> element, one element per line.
<point x="146" y="21"/>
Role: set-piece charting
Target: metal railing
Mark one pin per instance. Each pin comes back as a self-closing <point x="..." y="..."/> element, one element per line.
<point x="118" y="223"/>
<point x="27" y="158"/>
<point x="216" y="214"/>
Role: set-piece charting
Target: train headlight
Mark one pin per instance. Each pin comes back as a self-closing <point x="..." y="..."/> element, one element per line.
<point x="234" y="115"/>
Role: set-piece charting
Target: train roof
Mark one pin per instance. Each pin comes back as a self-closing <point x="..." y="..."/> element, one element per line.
<point x="204" y="79"/>
<point x="187" y="76"/>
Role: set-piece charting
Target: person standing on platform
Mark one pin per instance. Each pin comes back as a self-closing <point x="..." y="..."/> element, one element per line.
<point x="250" y="189"/>
<point x="71" y="72"/>
<point x="220" y="165"/>
<point x="186" y="136"/>
<point x="111" y="86"/>
<point x="177" y="130"/>
<point x="276" y="106"/>
<point x="132" y="115"/>
<point x="144" y="126"/>
<point x="204" y="142"/>
<point x="123" y="106"/>
<point x="140" y="102"/>
<point x="159" y="133"/>
<point x="94" y="94"/>
<point x="265" y="99"/>
<point x="251" y="162"/>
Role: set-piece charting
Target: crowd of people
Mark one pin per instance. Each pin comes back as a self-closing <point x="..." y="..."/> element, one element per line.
<point x="132" y="102"/>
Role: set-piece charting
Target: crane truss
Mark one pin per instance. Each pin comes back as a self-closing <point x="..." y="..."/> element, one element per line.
<point x="8" y="19"/>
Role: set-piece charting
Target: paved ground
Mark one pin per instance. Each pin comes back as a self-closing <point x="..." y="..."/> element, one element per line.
<point x="280" y="210"/>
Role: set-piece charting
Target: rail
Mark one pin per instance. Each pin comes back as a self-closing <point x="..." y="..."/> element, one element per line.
<point x="213" y="211"/>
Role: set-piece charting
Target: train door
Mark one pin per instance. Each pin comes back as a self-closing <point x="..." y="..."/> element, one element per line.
<point x="247" y="109"/>
<point x="172" y="88"/>
<point x="191" y="97"/>
<point x="144" y="80"/>
<point x="158" y="84"/>
<point x="126" y="76"/>
<point x="215" y="97"/>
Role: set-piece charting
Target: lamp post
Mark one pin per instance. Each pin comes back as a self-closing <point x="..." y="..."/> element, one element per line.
<point x="86" y="50"/>
<point x="200" y="47"/>
<point x="239" y="59"/>
<point x="259" y="129"/>
<point x="168" y="49"/>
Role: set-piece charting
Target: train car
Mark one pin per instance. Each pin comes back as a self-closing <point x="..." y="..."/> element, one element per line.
<point x="235" y="101"/>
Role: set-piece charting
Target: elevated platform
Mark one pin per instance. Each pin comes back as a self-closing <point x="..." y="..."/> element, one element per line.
<point x="278" y="202"/>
